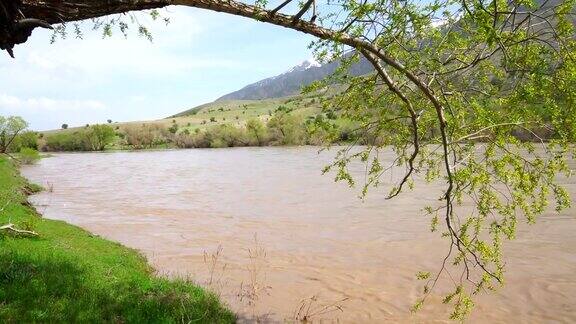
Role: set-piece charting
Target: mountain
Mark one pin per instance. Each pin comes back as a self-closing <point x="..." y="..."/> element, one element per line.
<point x="292" y="81"/>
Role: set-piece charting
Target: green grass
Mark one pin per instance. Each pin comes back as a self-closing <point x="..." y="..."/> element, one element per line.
<point x="237" y="112"/>
<point x="68" y="275"/>
<point x="234" y="113"/>
<point x="224" y="112"/>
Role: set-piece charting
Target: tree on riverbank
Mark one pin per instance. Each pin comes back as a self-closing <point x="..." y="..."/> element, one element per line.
<point x="447" y="74"/>
<point x="99" y="136"/>
<point x="10" y="127"/>
<point x="90" y="138"/>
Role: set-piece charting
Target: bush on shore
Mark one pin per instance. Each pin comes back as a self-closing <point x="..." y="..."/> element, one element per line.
<point x="146" y="136"/>
<point x="28" y="155"/>
<point x="284" y="127"/>
<point x="65" y="141"/>
<point x="91" y="138"/>
<point x="27" y="139"/>
<point x="256" y="132"/>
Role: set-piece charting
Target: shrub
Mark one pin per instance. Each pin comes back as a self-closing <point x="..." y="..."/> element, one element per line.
<point x="198" y="140"/>
<point x="184" y="141"/>
<point x="283" y="108"/>
<point x="320" y="134"/>
<point x="99" y="136"/>
<point x="286" y="129"/>
<point x="347" y="132"/>
<point x="331" y="115"/>
<point x="27" y="139"/>
<point x="65" y="142"/>
<point x="173" y="129"/>
<point x="226" y="136"/>
<point x="146" y="137"/>
<point x="93" y="138"/>
<point x="29" y="155"/>
<point x="64" y="126"/>
<point x="256" y="132"/>
<point x="218" y="143"/>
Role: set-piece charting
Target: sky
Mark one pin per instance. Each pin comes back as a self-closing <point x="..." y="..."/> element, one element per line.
<point x="196" y="58"/>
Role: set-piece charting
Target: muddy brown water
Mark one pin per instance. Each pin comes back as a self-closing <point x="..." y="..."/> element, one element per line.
<point x="273" y="237"/>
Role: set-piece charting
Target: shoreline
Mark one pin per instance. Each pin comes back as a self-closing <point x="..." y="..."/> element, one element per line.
<point x="69" y="274"/>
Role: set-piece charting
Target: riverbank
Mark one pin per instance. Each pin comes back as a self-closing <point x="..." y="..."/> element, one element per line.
<point x="66" y="274"/>
<point x="270" y="233"/>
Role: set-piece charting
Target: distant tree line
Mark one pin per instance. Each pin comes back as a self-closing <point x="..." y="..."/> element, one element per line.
<point x="283" y="128"/>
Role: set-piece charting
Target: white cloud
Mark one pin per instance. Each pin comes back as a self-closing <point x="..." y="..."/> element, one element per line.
<point x="94" y="55"/>
<point x="17" y="105"/>
<point x="196" y="58"/>
<point x="116" y="55"/>
<point x="46" y="113"/>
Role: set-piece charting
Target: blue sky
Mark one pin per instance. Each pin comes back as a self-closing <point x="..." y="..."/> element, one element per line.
<point x="198" y="57"/>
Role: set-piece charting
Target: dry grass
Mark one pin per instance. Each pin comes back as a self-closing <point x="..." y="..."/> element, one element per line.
<point x="311" y="308"/>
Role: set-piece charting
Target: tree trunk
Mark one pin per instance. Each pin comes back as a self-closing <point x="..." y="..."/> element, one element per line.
<point x="61" y="11"/>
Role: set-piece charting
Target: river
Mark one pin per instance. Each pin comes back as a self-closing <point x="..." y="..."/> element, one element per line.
<point x="276" y="239"/>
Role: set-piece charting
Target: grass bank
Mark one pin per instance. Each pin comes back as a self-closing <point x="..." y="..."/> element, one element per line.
<point x="65" y="274"/>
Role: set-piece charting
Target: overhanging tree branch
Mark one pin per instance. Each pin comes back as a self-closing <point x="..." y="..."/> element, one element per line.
<point x="58" y="11"/>
<point x="486" y="68"/>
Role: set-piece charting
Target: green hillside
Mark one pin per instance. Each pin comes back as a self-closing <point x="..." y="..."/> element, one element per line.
<point x="232" y="112"/>
<point x="292" y="120"/>
<point x="238" y="111"/>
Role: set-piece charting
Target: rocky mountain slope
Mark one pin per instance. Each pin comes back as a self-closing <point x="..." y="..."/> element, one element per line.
<point x="292" y="81"/>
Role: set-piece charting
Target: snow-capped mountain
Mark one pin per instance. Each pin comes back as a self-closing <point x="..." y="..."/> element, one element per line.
<point x="310" y="63"/>
<point x="291" y="81"/>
